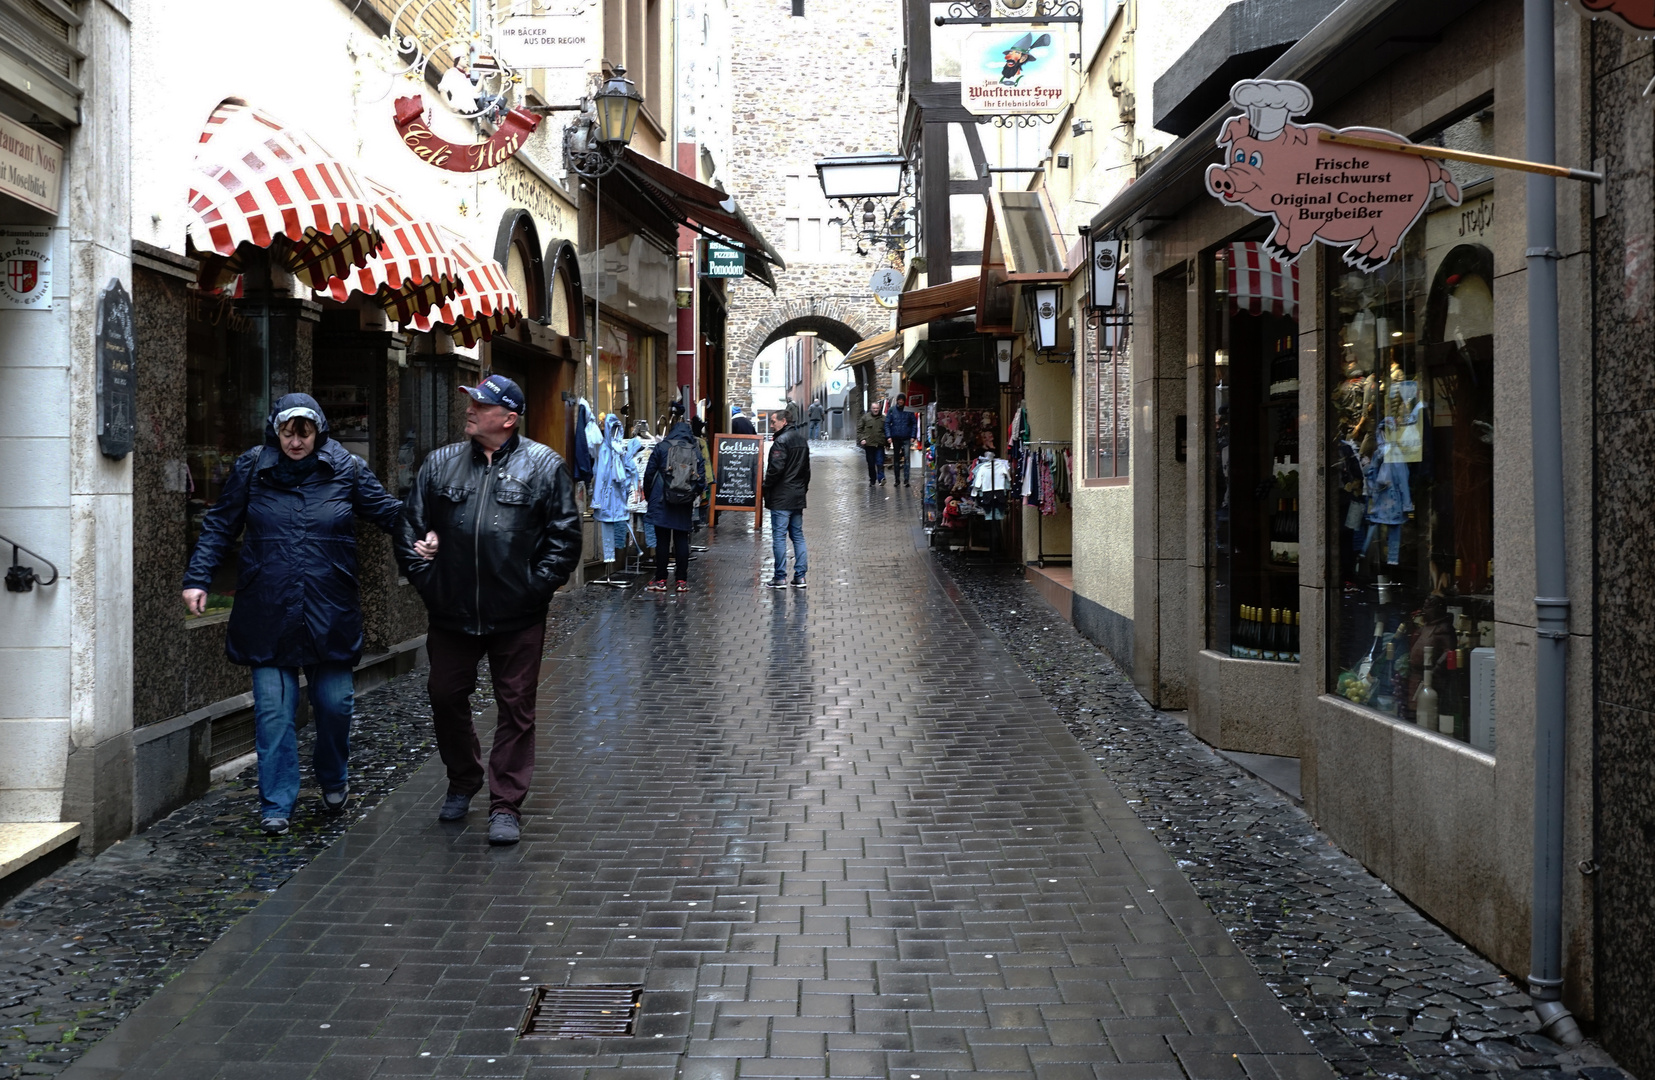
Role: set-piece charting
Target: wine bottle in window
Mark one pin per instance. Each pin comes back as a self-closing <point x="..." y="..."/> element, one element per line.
<point x="1270" y="636"/>
<point x="1385" y="689"/>
<point x="1295" y="645"/>
<point x="1239" y="646"/>
<point x="1425" y="699"/>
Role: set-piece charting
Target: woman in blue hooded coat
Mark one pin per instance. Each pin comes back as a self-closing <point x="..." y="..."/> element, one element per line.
<point x="297" y="605"/>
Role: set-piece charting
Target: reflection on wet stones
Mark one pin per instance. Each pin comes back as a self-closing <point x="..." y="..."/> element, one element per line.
<point x="1377" y="988"/>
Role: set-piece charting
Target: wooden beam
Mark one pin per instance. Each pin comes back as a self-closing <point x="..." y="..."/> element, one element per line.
<point x="1563" y="172"/>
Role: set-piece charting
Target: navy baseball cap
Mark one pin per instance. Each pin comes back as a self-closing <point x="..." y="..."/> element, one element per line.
<point x="497" y="390"/>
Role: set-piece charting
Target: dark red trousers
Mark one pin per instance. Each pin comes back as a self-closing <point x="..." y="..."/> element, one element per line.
<point x="514" y="662"/>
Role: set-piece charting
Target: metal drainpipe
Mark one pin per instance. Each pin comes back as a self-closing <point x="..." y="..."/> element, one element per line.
<point x="1551" y="604"/>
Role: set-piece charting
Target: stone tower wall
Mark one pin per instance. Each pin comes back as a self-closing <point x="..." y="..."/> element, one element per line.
<point x="806" y="87"/>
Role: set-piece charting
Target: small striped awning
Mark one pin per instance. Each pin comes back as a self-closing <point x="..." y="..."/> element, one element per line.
<point x="1261" y="285"/>
<point x="410" y="272"/>
<point x="257" y="181"/>
<point x="486" y="305"/>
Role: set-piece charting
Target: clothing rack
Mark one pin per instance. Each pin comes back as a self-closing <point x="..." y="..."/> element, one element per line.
<point x="1040" y="552"/>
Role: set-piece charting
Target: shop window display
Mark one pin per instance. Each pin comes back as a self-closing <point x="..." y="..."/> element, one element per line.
<point x="227" y="394"/>
<point x="1411" y="471"/>
<point x="1107" y="375"/>
<point x="1252" y="464"/>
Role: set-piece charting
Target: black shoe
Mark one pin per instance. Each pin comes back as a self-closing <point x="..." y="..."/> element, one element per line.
<point x="273" y="826"/>
<point x="454" y="807"/>
<point x="504" y="828"/>
<point x="334" y="801"/>
<point x="777" y="583"/>
<point x="799" y="581"/>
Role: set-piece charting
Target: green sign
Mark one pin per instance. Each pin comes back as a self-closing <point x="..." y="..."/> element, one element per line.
<point x="725" y="262"/>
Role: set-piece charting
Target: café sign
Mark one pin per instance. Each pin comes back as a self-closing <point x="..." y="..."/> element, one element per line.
<point x="1636" y="17"/>
<point x="31" y="165"/>
<point x="1362" y="199"/>
<point x="433" y="149"/>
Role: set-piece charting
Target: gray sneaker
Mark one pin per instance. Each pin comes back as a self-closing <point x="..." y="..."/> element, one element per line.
<point x="504" y="828"/>
<point x="274" y="826"/>
<point x="334" y="801"/>
<point x="454" y="807"/>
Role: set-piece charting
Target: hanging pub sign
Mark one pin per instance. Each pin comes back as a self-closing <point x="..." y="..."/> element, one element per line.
<point x="492" y="152"/>
<point x="1014" y="70"/>
<point x="1636" y="17"/>
<point x="26" y="268"/>
<point x="1362" y="199"/>
<point x="1106" y="267"/>
<point x="117" y="389"/>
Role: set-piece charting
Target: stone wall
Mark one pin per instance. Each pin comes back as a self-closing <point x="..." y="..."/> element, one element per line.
<point x="806" y="87"/>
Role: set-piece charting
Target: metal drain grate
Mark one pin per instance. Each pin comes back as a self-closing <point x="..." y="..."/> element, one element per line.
<point x="601" y="1011"/>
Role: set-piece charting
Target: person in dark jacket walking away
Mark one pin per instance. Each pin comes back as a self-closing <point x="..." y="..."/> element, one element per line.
<point x="817" y="414"/>
<point x="297" y="606"/>
<point x="901" y="427"/>
<point x="501" y="530"/>
<point x="870" y="436"/>
<point x="742" y="424"/>
<point x="675" y="476"/>
<point x="786" y="480"/>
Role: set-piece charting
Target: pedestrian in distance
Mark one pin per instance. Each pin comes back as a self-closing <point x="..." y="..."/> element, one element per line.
<point x="870" y="436"/>
<point x="742" y="424"/>
<point x="501" y="533"/>
<point x="675" y="477"/>
<point x="786" y="481"/>
<point x="901" y="427"/>
<point x="294" y="501"/>
<point x="817" y="415"/>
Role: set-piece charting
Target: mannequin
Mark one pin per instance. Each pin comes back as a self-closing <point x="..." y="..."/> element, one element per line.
<point x="614" y="477"/>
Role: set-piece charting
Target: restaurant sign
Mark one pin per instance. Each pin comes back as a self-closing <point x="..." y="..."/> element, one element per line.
<point x="491" y="153"/>
<point x="1363" y="200"/>
<point x="1014" y="70"/>
<point x="724" y="261"/>
<point x="30" y="165"/>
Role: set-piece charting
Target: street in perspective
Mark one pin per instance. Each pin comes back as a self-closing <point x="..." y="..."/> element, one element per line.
<point x="704" y="540"/>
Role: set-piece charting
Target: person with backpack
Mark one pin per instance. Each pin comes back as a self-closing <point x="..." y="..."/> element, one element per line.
<point x="786" y="480"/>
<point x="675" y="477"/>
<point x="294" y="501"/>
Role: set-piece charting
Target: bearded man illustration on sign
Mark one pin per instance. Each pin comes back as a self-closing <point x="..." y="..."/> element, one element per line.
<point x="1020" y="54"/>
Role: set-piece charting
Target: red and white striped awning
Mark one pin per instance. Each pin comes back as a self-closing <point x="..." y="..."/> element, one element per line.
<point x="1259" y="285"/>
<point x="487" y="305"/>
<point x="411" y="271"/>
<point x="257" y="180"/>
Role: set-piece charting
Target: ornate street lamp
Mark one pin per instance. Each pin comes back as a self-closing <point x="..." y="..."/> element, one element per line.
<point x="875" y="191"/>
<point x="593" y="146"/>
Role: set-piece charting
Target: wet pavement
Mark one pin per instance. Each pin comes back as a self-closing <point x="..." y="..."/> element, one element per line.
<point x="835" y="832"/>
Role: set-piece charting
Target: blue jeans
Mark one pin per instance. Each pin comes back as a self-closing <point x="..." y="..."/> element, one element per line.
<point x="275" y="700"/>
<point x="613" y="534"/>
<point x="815" y="429"/>
<point x="786" y="525"/>
<point x="649" y="534"/>
<point x="899" y="460"/>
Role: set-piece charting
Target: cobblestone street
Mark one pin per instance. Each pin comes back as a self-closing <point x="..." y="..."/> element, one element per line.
<point x="903" y="824"/>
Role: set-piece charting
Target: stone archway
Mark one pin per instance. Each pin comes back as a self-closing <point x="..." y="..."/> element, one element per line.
<point x="838" y="321"/>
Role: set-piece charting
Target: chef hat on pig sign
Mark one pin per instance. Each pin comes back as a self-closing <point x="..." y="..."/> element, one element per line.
<point x="1269" y="104"/>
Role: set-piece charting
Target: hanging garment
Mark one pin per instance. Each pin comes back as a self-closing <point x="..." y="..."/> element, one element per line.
<point x="585" y="451"/>
<point x="1048" y="494"/>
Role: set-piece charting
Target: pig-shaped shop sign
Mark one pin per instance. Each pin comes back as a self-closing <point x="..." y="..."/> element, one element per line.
<point x="1360" y="199"/>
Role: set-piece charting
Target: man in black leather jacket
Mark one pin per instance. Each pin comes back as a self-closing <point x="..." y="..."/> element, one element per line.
<point x="786" y="482"/>
<point x="500" y="533"/>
